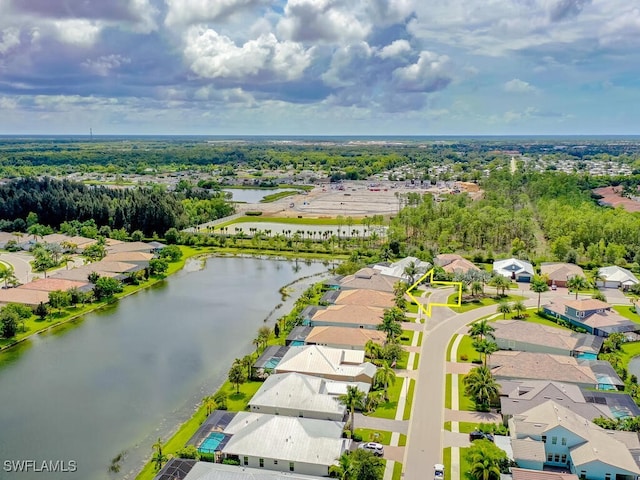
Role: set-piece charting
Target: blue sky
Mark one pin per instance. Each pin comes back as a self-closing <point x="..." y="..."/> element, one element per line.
<point x="325" y="67"/>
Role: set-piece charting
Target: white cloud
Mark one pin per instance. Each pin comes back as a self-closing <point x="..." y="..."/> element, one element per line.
<point x="398" y="47"/>
<point x="518" y="86"/>
<point x="430" y="73"/>
<point x="347" y="64"/>
<point x="77" y="32"/>
<point x="104" y="65"/>
<point x="212" y="55"/>
<point x="9" y="38"/>
<point x="322" y="21"/>
<point x="186" y="12"/>
<point x="146" y="13"/>
<point x="8" y="103"/>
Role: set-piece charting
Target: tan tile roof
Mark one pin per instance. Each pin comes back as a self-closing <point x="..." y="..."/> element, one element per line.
<point x="527" y="449"/>
<point x="130" y="247"/>
<point x="369" y="278"/>
<point x="360" y="296"/>
<point x="535" y="333"/>
<point x="461" y="265"/>
<point x="560" y="271"/>
<point x="52" y="284"/>
<point x="128" y="257"/>
<point x="357" y="337"/>
<point x="587" y="304"/>
<point x="525" y="474"/>
<point x="20" y="295"/>
<point x="350" y="314"/>
<point x="540" y="366"/>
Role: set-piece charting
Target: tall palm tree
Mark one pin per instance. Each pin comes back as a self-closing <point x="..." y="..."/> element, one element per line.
<point x="518" y="307"/>
<point x="481" y="386"/>
<point x="577" y="283"/>
<point x="353" y="399"/>
<point x="480" y="329"/>
<point x="6" y="274"/>
<point x="411" y="270"/>
<point x="501" y="283"/>
<point x="158" y="457"/>
<point x="372" y="350"/>
<point x="486" y="348"/>
<point x="390" y="327"/>
<point x="342" y="471"/>
<point x="385" y="376"/>
<point x="539" y="285"/>
<point x="484" y="462"/>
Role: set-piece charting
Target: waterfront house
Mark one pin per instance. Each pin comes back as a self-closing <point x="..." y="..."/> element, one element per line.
<point x="183" y="469"/>
<point x="369" y="279"/>
<point x="353" y="316"/>
<point x="595" y="316"/>
<point x="344" y="337"/>
<point x="359" y="296"/>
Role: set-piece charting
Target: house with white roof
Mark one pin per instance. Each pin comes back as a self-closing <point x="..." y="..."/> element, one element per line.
<point x="616" y="277"/>
<point x="181" y="469"/>
<point x="297" y="395"/>
<point x="564" y="439"/>
<point x="329" y="363"/>
<point x="397" y="269"/>
<point x="514" y="269"/>
<point x="286" y="444"/>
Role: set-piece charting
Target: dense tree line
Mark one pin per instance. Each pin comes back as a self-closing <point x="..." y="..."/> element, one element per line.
<point x="148" y="210"/>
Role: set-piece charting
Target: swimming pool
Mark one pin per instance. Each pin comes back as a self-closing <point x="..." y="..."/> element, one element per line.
<point x="211" y="443"/>
<point x="272" y="363"/>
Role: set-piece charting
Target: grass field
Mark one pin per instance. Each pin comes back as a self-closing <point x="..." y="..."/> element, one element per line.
<point x="407" y="410"/>
<point x="464" y="402"/>
<point x="480" y="302"/>
<point x="447" y="391"/>
<point x="397" y="471"/>
<point x="369" y="435"/>
<point x="465" y="349"/>
<point x="627" y="311"/>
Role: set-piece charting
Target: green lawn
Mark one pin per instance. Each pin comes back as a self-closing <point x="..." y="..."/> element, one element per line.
<point x="447" y="391"/>
<point x="419" y="339"/>
<point x="416" y="361"/>
<point x="480" y="302"/>
<point x="402" y="441"/>
<point x="388" y="409"/>
<point x="629" y="350"/>
<point x="412" y="307"/>
<point x="465" y="466"/>
<point x="397" y="471"/>
<point x="369" y="435"/>
<point x="465" y="349"/>
<point x="402" y="361"/>
<point x="627" y="311"/>
<point x="446" y="461"/>
<point x="450" y="346"/>
<point x="407" y="409"/>
<point x="464" y="402"/>
<point x="277" y="196"/>
<point x="406" y="337"/>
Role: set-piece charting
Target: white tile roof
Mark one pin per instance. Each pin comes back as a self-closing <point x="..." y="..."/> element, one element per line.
<point x="298" y="392"/>
<point x="318" y="360"/>
<point x="291" y="439"/>
<point x="617" y="274"/>
<point x="219" y="471"/>
<point x="511" y="265"/>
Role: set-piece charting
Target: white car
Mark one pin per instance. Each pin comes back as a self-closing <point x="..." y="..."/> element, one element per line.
<point x="376" y="448"/>
<point x="438" y="471"/>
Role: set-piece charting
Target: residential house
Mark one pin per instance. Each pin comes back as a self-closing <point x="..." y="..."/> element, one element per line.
<point x="514" y="269"/>
<point x="344" y="337"/>
<point x="31" y="298"/>
<point x="139" y="258"/>
<point x="53" y="283"/>
<point x="616" y="277"/>
<point x="354" y="316"/>
<point x="571" y="441"/>
<point x="358" y="296"/>
<point x="541" y="366"/>
<point x="297" y="336"/>
<point x="452" y="263"/>
<point x="297" y="395"/>
<point x="267" y="361"/>
<point x="558" y="273"/>
<point x="524" y="474"/>
<point x="6" y="237"/>
<point x="399" y="268"/>
<point x="329" y="363"/>
<point x="286" y="444"/>
<point x="595" y="316"/>
<point x="182" y="469"/>
<point x="518" y="396"/>
<point x="534" y="337"/>
<point x="69" y="243"/>
<point x="369" y="279"/>
<point x="130" y="247"/>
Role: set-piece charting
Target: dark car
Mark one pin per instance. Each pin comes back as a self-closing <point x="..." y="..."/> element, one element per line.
<point x="478" y="435"/>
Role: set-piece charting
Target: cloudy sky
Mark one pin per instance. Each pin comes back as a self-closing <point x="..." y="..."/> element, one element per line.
<point x="325" y="67"/>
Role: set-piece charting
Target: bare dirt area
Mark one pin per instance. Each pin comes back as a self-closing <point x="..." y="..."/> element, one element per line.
<point x="354" y="199"/>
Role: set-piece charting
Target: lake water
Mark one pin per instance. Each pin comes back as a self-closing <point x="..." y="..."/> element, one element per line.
<point x="252" y="195"/>
<point x="127" y="375"/>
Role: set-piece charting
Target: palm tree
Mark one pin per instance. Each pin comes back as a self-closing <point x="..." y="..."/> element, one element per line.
<point x="518" y="307"/>
<point x="577" y="283"/>
<point x="390" y="327"/>
<point x="342" y="471"/>
<point x="411" y="270"/>
<point x="484" y="462"/>
<point x="481" y="386"/>
<point x="209" y="403"/>
<point x="501" y="283"/>
<point x="504" y="308"/>
<point x="480" y="329"/>
<point x="539" y="285"/>
<point x="247" y="362"/>
<point x="7" y="275"/>
<point x="486" y="348"/>
<point x="385" y="376"/>
<point x="158" y="457"/>
<point x="372" y="350"/>
<point x="354" y="398"/>
<point x="476" y="288"/>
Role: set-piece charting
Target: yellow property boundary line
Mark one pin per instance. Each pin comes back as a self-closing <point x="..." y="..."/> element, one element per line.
<point x="430" y="305"/>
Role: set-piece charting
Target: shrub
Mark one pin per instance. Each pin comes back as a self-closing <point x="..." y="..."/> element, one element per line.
<point x="464" y="357"/>
<point x="253" y="213"/>
<point x="231" y="461"/>
<point x="357" y="437"/>
<point x="189" y="452"/>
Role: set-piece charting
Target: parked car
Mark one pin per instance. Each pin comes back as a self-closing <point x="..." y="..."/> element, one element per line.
<point x="554" y="286"/>
<point x="376" y="448"/>
<point x="438" y="471"/>
<point x="478" y="435"/>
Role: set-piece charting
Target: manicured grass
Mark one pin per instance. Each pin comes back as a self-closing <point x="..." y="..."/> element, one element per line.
<point x="450" y="346"/>
<point x="412" y="307"/>
<point x="416" y="361"/>
<point x="407" y="409"/>
<point x="465" y="348"/>
<point x="464" y="402"/>
<point x="397" y="471"/>
<point x="369" y="435"/>
<point x="419" y="339"/>
<point x="463" y="427"/>
<point x="417" y="292"/>
<point x="480" y="302"/>
<point x="403" y="361"/>
<point x="627" y="311"/>
<point x="629" y="350"/>
<point x="465" y="466"/>
<point x="402" y="441"/>
<point x="388" y="409"/>
<point x="277" y="196"/>
<point x="408" y="334"/>
<point x="447" y="391"/>
<point x="446" y="461"/>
